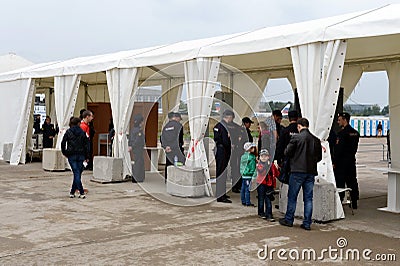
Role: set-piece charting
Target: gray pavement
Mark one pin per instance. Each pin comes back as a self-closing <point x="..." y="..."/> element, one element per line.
<point x="128" y="224"/>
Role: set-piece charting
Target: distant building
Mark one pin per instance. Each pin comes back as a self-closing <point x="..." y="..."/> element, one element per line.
<point x="150" y="94"/>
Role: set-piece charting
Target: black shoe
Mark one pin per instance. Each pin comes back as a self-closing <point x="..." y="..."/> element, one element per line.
<point x="283" y="222"/>
<point x="251" y="205"/>
<point x="227" y="197"/>
<point x="305" y="228"/>
<point x="224" y="200"/>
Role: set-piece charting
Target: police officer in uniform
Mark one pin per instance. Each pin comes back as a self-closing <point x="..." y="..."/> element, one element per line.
<point x="49" y="132"/>
<point x="285" y="135"/>
<point x="344" y="161"/>
<point x="136" y="145"/>
<point x="239" y="136"/>
<point x="172" y="140"/>
<point x="223" y="145"/>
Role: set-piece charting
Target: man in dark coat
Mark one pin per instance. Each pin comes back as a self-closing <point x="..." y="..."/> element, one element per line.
<point x="239" y="137"/>
<point x="223" y="144"/>
<point x="36" y="124"/>
<point x="285" y="135"/>
<point x="304" y="151"/>
<point x="247" y="124"/>
<point x="136" y="145"/>
<point x="344" y="160"/>
<point x="172" y="140"/>
<point x="49" y="132"/>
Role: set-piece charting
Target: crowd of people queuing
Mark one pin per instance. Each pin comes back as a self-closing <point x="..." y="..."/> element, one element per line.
<point x="292" y="149"/>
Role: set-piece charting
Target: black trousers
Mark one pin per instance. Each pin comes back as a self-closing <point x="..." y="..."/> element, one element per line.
<point x="138" y="167"/>
<point x="221" y="160"/>
<point x="235" y="171"/>
<point x="343" y="181"/>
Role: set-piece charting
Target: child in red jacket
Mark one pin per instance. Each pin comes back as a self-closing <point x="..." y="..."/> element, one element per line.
<point x="266" y="174"/>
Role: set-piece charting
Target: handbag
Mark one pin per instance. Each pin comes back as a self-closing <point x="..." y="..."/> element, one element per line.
<point x="285" y="172"/>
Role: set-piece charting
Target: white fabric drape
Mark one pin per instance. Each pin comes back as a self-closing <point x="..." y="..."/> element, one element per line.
<point x="26" y="87"/>
<point x="122" y="86"/>
<point x="351" y="76"/>
<point x="65" y="93"/>
<point x="318" y="71"/>
<point x="393" y="73"/>
<point x="171" y="94"/>
<point x="200" y="80"/>
<point x="248" y="90"/>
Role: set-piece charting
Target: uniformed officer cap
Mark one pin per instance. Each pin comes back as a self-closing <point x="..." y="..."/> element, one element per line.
<point x="228" y="113"/>
<point x="345" y="116"/>
<point x="293" y="115"/>
<point x="138" y="118"/>
<point x="176" y="114"/>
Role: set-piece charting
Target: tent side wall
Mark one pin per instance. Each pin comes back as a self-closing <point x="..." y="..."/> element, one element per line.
<point x="12" y="93"/>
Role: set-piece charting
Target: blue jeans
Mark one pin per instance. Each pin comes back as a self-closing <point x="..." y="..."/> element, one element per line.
<point x="245" y="191"/>
<point x="297" y="181"/>
<point x="76" y="163"/>
<point x="262" y="197"/>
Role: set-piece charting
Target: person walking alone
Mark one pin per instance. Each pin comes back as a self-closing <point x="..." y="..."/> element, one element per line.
<point x="75" y="146"/>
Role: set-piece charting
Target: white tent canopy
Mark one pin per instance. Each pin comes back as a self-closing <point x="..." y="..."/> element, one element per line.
<point x="372" y="38"/>
<point x="371" y="34"/>
<point x="10" y="62"/>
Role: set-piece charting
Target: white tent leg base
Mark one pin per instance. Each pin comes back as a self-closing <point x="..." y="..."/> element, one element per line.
<point x="393" y="198"/>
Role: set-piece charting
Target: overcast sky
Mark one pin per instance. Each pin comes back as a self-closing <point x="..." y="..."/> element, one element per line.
<point x="47" y="30"/>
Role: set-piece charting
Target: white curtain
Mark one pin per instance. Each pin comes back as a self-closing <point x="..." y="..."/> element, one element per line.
<point x="122" y="86"/>
<point x="65" y="93"/>
<point x="200" y="80"/>
<point x="393" y="73"/>
<point x="26" y="88"/>
<point x="171" y="94"/>
<point x="318" y="69"/>
<point x="351" y="76"/>
<point x="248" y="90"/>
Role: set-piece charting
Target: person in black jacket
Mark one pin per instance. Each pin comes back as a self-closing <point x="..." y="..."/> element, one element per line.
<point x="304" y="151"/>
<point x="136" y="145"/>
<point x="344" y="159"/>
<point x="238" y="136"/>
<point x="285" y="135"/>
<point x="223" y="144"/>
<point x="172" y="140"/>
<point x="75" y="146"/>
<point x="49" y="132"/>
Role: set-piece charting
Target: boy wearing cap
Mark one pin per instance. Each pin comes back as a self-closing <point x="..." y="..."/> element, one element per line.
<point x="248" y="171"/>
<point x="266" y="174"/>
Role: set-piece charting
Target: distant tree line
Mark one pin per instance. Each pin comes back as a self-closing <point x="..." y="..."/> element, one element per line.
<point x="368" y="111"/>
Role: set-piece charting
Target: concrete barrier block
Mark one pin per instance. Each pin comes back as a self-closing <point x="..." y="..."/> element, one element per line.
<point x="324" y="203"/>
<point x="53" y="160"/>
<point x="107" y="169"/>
<point x="7" y="149"/>
<point x="186" y="182"/>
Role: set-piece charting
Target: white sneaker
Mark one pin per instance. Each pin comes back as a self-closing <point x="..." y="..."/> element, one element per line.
<point x="82" y="196"/>
<point x="72" y="196"/>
